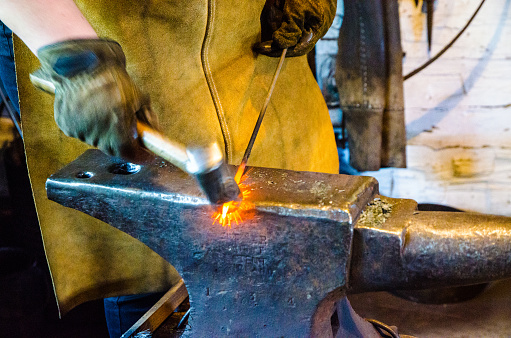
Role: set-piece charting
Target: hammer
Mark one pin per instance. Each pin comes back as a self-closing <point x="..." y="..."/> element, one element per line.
<point x="206" y="164"/>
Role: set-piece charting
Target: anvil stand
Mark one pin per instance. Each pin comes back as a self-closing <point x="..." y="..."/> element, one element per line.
<point x="309" y="240"/>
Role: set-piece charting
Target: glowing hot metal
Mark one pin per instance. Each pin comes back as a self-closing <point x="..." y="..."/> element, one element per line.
<point x="230" y="211"/>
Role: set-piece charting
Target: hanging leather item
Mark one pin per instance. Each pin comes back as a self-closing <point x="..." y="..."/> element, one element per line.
<point x="370" y="82"/>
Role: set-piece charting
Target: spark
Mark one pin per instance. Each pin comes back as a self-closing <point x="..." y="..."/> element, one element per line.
<point x="225" y="209"/>
<point x="231" y="210"/>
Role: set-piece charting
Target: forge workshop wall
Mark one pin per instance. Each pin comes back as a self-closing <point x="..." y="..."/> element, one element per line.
<point x="458" y="110"/>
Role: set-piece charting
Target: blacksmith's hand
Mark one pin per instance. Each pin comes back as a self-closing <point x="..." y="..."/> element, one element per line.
<point x="96" y="100"/>
<point x="294" y="24"/>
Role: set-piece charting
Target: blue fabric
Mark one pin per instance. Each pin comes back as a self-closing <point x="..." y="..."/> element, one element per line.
<point x="124" y="311"/>
<point x="7" y="71"/>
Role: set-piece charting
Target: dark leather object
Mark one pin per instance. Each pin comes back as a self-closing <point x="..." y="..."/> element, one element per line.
<point x="370" y="83"/>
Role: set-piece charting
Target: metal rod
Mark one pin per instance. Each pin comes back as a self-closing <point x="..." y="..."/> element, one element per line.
<point x="263" y="111"/>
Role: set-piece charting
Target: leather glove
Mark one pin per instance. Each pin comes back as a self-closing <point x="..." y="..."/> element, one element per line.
<point x="96" y="101"/>
<point x="294" y="24"/>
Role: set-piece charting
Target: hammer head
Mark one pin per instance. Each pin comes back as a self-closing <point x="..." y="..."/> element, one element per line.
<point x="213" y="174"/>
<point x="219" y="185"/>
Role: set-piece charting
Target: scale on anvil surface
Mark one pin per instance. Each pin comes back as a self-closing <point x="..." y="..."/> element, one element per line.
<point x="308" y="241"/>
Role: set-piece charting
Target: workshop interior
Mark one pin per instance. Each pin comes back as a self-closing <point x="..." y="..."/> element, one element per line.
<point x="242" y="228"/>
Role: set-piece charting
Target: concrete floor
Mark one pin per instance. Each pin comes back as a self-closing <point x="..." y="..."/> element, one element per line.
<point x="487" y="315"/>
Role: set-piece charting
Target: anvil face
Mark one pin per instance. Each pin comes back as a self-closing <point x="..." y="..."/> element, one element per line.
<point x="270" y="275"/>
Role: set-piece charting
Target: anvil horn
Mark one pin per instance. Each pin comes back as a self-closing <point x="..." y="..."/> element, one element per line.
<point x="416" y="250"/>
<point x="308" y="240"/>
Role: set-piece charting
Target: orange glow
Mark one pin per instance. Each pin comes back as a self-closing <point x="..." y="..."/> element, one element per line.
<point x="230" y="212"/>
<point x="239" y="173"/>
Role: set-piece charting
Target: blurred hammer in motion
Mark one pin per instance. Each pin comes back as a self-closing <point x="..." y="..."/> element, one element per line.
<point x="206" y="164"/>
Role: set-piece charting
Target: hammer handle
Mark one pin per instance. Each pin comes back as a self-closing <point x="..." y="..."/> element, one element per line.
<point x="159" y="144"/>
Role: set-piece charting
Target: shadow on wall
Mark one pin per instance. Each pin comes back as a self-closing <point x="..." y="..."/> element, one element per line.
<point x="438" y="113"/>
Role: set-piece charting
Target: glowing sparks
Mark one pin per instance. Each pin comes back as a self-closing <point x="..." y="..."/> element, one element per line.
<point x="225" y="209"/>
<point x="230" y="211"/>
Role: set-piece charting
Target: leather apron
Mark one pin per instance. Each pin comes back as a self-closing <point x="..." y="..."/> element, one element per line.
<point x="195" y="59"/>
<point x="370" y="83"/>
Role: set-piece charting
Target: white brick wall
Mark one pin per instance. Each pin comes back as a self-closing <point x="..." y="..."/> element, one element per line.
<point x="458" y="111"/>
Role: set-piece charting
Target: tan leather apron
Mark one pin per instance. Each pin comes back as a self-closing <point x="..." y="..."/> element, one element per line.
<point x="195" y="60"/>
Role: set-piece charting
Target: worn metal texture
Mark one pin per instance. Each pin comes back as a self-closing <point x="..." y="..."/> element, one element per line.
<point x="278" y="273"/>
<point x="418" y="250"/>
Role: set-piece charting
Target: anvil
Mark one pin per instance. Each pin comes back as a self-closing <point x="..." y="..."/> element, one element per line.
<point x="309" y="239"/>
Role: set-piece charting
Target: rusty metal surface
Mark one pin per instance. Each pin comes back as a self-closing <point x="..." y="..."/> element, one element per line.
<point x="276" y="274"/>
<point x="417" y="250"/>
